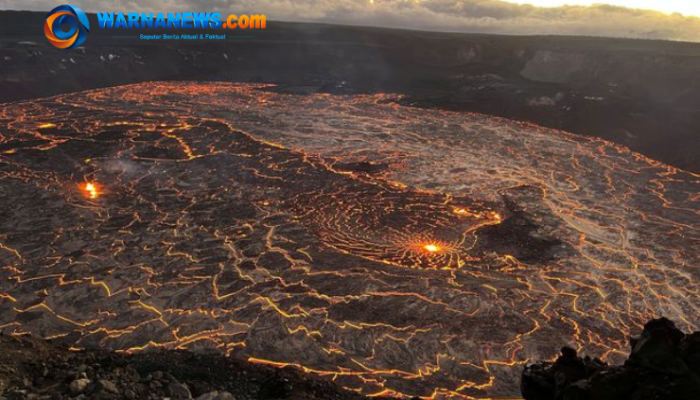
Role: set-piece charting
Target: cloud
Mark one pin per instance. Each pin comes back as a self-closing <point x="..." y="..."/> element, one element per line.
<point x="482" y="16"/>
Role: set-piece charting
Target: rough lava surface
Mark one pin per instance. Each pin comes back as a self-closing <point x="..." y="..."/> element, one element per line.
<point x="396" y="250"/>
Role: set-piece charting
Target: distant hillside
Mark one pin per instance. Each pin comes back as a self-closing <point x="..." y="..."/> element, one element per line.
<point x="643" y="94"/>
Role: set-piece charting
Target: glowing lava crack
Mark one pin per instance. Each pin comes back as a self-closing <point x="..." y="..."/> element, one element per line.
<point x="399" y="251"/>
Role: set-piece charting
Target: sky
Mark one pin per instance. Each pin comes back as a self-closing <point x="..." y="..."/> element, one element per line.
<point x="686" y="7"/>
<point x="582" y="17"/>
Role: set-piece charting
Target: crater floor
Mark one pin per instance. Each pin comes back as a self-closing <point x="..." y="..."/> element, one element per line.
<point x="400" y="251"/>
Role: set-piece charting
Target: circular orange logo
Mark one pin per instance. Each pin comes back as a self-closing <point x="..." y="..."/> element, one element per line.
<point x="74" y="18"/>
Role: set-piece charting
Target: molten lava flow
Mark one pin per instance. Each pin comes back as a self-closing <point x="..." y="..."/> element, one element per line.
<point x="432" y="248"/>
<point x="461" y="211"/>
<point x="234" y="230"/>
<point x="91" y="190"/>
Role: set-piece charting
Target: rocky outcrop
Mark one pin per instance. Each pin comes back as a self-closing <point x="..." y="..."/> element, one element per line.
<point x="664" y="365"/>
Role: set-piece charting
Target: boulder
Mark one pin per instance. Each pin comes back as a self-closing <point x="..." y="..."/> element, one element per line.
<point x="178" y="391"/>
<point x="663" y="365"/>
<point x="78" y="386"/>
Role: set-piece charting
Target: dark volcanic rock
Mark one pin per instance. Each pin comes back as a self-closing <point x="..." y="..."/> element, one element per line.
<point x="37" y="369"/>
<point x="663" y="365"/>
<point x="277" y="241"/>
<point x="640" y="93"/>
<point x="364" y="166"/>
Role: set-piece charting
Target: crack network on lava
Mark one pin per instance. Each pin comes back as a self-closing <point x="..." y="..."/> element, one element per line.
<point x="400" y="251"/>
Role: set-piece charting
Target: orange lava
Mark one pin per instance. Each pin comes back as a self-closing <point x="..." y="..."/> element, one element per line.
<point x="91" y="189"/>
<point x="432" y="248"/>
<point x="385" y="280"/>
